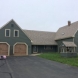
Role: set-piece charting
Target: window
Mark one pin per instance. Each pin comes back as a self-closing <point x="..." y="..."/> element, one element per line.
<point x="7" y="32"/>
<point x="48" y="47"/>
<point x="16" y="33"/>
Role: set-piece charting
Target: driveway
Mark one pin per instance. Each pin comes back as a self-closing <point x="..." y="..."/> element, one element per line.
<point x="35" y="67"/>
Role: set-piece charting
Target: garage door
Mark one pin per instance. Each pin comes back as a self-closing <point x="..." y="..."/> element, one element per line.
<point x="3" y="49"/>
<point x="20" y="50"/>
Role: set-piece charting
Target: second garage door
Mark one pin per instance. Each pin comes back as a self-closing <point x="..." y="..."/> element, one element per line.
<point x="20" y="49"/>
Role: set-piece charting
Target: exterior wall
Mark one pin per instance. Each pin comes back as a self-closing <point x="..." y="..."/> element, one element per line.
<point x="68" y="54"/>
<point x="12" y="40"/>
<point x="60" y="42"/>
<point x="76" y="40"/>
<point x="41" y="49"/>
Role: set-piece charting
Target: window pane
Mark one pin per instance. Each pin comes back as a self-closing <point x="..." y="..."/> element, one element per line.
<point x="7" y="32"/>
<point x="16" y="33"/>
<point x="48" y="47"/>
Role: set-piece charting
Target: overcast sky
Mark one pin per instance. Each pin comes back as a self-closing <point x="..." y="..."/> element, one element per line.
<point x="44" y="15"/>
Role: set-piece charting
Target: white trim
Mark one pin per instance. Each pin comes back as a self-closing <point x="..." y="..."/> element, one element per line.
<point x="17" y="25"/>
<point x="9" y="32"/>
<point x="20" y="43"/>
<point x="17" y="34"/>
<point x="8" y="47"/>
<point x="64" y="38"/>
<point x="75" y="33"/>
<point x="21" y="29"/>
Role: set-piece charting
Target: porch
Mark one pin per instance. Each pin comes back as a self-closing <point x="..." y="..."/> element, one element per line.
<point x="68" y="49"/>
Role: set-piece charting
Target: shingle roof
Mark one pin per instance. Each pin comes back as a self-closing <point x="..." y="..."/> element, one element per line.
<point x="41" y="37"/>
<point x="67" y="31"/>
<point x="69" y="44"/>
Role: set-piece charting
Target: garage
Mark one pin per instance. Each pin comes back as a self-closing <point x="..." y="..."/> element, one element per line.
<point x="20" y="49"/>
<point x="4" y="49"/>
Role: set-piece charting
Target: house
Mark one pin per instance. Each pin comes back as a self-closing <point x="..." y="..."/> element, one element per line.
<point x="20" y="42"/>
<point x="68" y="36"/>
<point x="16" y="41"/>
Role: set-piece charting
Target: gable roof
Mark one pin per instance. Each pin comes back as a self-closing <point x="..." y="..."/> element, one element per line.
<point x="16" y="24"/>
<point x="67" y="31"/>
<point x="69" y="44"/>
<point x="41" y="37"/>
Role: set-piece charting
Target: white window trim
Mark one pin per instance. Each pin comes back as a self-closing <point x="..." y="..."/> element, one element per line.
<point x="9" y="32"/>
<point x="14" y="33"/>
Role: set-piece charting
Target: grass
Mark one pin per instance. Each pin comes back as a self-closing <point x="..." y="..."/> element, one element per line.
<point x="58" y="58"/>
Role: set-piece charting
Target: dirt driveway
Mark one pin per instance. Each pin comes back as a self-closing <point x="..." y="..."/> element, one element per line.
<point x="35" y="67"/>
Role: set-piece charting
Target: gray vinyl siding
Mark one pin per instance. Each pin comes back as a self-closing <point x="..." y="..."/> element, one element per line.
<point x="12" y="40"/>
<point x="76" y="41"/>
<point x="60" y="42"/>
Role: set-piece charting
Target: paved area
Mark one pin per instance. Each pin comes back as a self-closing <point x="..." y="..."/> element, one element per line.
<point x="35" y="67"/>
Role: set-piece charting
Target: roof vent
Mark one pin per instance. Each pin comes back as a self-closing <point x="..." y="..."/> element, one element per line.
<point x="63" y="33"/>
<point x="69" y="23"/>
<point x="31" y="41"/>
<point x="12" y="25"/>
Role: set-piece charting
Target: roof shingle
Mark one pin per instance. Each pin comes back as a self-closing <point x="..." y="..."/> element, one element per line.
<point x="69" y="44"/>
<point x="41" y="37"/>
<point x="67" y="31"/>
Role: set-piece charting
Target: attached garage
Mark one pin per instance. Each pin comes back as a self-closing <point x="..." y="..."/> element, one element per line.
<point x="4" y="48"/>
<point x="20" y="49"/>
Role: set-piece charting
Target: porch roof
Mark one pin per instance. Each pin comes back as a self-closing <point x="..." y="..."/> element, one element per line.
<point x="69" y="44"/>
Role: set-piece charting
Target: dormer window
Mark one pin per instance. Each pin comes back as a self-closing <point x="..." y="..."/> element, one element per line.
<point x="7" y="32"/>
<point x="16" y="33"/>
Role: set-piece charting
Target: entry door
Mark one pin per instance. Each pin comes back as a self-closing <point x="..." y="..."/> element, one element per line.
<point x="35" y="49"/>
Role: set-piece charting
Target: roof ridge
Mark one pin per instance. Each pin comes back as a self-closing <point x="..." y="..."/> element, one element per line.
<point x="69" y="31"/>
<point x="38" y="31"/>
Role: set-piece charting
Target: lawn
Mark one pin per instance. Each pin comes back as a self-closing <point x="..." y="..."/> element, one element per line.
<point x="58" y="58"/>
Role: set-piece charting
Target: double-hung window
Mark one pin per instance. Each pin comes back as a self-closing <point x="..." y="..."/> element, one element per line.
<point x="7" y="32"/>
<point x="16" y="33"/>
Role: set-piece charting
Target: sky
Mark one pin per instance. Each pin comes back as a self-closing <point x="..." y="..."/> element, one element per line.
<point x="42" y="15"/>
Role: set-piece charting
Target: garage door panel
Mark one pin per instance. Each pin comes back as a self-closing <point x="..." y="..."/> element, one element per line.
<point x="3" y="49"/>
<point x="20" y="49"/>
